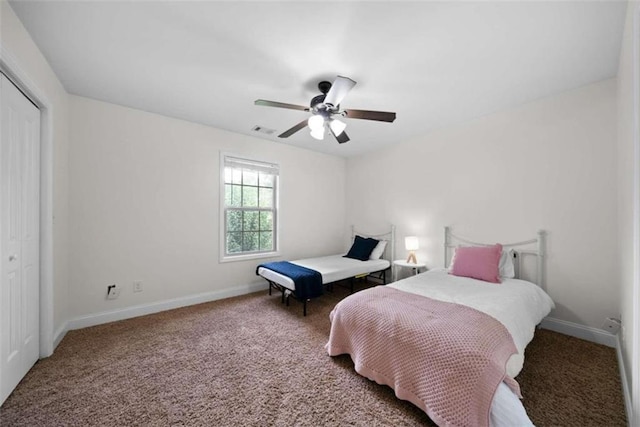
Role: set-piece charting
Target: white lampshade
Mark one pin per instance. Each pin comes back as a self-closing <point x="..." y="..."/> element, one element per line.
<point x="316" y="123"/>
<point x="337" y="126"/>
<point x="318" y="133"/>
<point x="411" y="243"/>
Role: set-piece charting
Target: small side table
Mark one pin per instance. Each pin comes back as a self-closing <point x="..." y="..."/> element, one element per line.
<point x="404" y="264"/>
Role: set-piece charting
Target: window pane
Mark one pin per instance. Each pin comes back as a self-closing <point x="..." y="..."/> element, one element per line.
<point x="229" y="191"/>
<point x="236" y="177"/>
<point x="266" y="240"/>
<point x="266" y="180"/>
<point x="234" y="221"/>
<point x="266" y="221"/>
<point x="249" y="177"/>
<point x="233" y="195"/>
<point x="227" y="175"/>
<point x="266" y="197"/>
<point x="227" y="195"/>
<point x="234" y="243"/>
<point x="236" y="195"/>
<point x="250" y="241"/>
<point x="251" y="221"/>
<point x="250" y="197"/>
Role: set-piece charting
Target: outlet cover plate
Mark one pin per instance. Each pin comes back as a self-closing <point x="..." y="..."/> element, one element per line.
<point x="137" y="286"/>
<point x="611" y="325"/>
<point x="113" y="292"/>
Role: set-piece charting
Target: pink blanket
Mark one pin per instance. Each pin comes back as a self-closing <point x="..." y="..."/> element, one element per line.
<point x="445" y="358"/>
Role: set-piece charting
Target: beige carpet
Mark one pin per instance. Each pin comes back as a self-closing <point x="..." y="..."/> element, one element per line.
<point x="252" y="361"/>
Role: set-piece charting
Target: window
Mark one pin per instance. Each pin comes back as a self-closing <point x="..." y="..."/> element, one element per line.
<point x="250" y="190"/>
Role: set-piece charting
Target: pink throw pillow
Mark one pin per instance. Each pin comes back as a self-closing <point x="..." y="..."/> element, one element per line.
<point x="478" y="262"/>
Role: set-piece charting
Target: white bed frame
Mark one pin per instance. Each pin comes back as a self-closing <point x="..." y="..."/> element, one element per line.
<point x="521" y="249"/>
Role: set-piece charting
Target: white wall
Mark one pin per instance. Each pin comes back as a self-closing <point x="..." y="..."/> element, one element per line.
<point x="17" y="43"/>
<point x="626" y="158"/>
<point x="144" y="205"/>
<point x="549" y="164"/>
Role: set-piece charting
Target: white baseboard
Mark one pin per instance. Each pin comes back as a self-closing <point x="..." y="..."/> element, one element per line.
<point x="626" y="392"/>
<point x="587" y="333"/>
<point x="59" y="334"/>
<point x="155" y="307"/>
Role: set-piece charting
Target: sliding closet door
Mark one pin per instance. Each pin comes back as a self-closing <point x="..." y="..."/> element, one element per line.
<point x="19" y="236"/>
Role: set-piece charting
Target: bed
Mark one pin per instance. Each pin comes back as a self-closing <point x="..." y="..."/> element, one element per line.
<point x="331" y="269"/>
<point x="449" y="343"/>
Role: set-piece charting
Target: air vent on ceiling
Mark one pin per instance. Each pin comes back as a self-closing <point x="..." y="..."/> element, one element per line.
<point x="263" y="129"/>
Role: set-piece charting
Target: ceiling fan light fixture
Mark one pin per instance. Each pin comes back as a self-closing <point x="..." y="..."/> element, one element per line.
<point x="316" y="123"/>
<point x="318" y="133"/>
<point x="325" y="107"/>
<point x="337" y="126"/>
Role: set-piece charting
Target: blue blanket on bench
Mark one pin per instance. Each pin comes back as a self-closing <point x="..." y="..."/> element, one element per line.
<point x="308" y="282"/>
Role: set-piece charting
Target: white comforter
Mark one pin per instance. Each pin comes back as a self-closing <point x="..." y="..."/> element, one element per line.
<point x="517" y="304"/>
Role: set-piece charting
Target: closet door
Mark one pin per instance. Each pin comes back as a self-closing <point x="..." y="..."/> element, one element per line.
<point x="19" y="236"/>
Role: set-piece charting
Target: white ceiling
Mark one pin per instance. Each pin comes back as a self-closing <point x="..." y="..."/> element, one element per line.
<point x="434" y="63"/>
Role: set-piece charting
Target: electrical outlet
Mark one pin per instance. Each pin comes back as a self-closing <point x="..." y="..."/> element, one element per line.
<point x="611" y="325"/>
<point x="137" y="286"/>
<point x="113" y="291"/>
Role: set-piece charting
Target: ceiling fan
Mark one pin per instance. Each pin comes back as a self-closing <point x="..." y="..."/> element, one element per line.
<point x="325" y="108"/>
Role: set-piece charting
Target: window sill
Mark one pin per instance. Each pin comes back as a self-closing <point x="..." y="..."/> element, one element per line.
<point x="248" y="257"/>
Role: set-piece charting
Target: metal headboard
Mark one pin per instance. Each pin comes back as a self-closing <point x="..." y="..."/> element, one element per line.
<point x="390" y="236"/>
<point x="451" y="241"/>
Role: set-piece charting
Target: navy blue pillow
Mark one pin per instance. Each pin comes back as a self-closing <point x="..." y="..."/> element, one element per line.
<point x="362" y="248"/>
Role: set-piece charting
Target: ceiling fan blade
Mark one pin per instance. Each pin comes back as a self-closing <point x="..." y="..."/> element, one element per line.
<point x="381" y="116"/>
<point x="296" y="128"/>
<point x="342" y="138"/>
<point x="266" y="103"/>
<point x="339" y="89"/>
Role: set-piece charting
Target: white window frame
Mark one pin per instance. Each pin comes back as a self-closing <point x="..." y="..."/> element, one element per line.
<point x="259" y="165"/>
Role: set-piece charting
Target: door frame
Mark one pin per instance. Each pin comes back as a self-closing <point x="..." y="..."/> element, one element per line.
<point x="10" y="66"/>
<point x="635" y="338"/>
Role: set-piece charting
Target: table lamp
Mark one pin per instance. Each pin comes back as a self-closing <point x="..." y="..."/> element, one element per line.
<point x="411" y="244"/>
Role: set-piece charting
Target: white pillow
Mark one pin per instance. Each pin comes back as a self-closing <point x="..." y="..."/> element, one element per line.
<point x="378" y="250"/>
<point x="506" y="267"/>
<point x="453" y="259"/>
